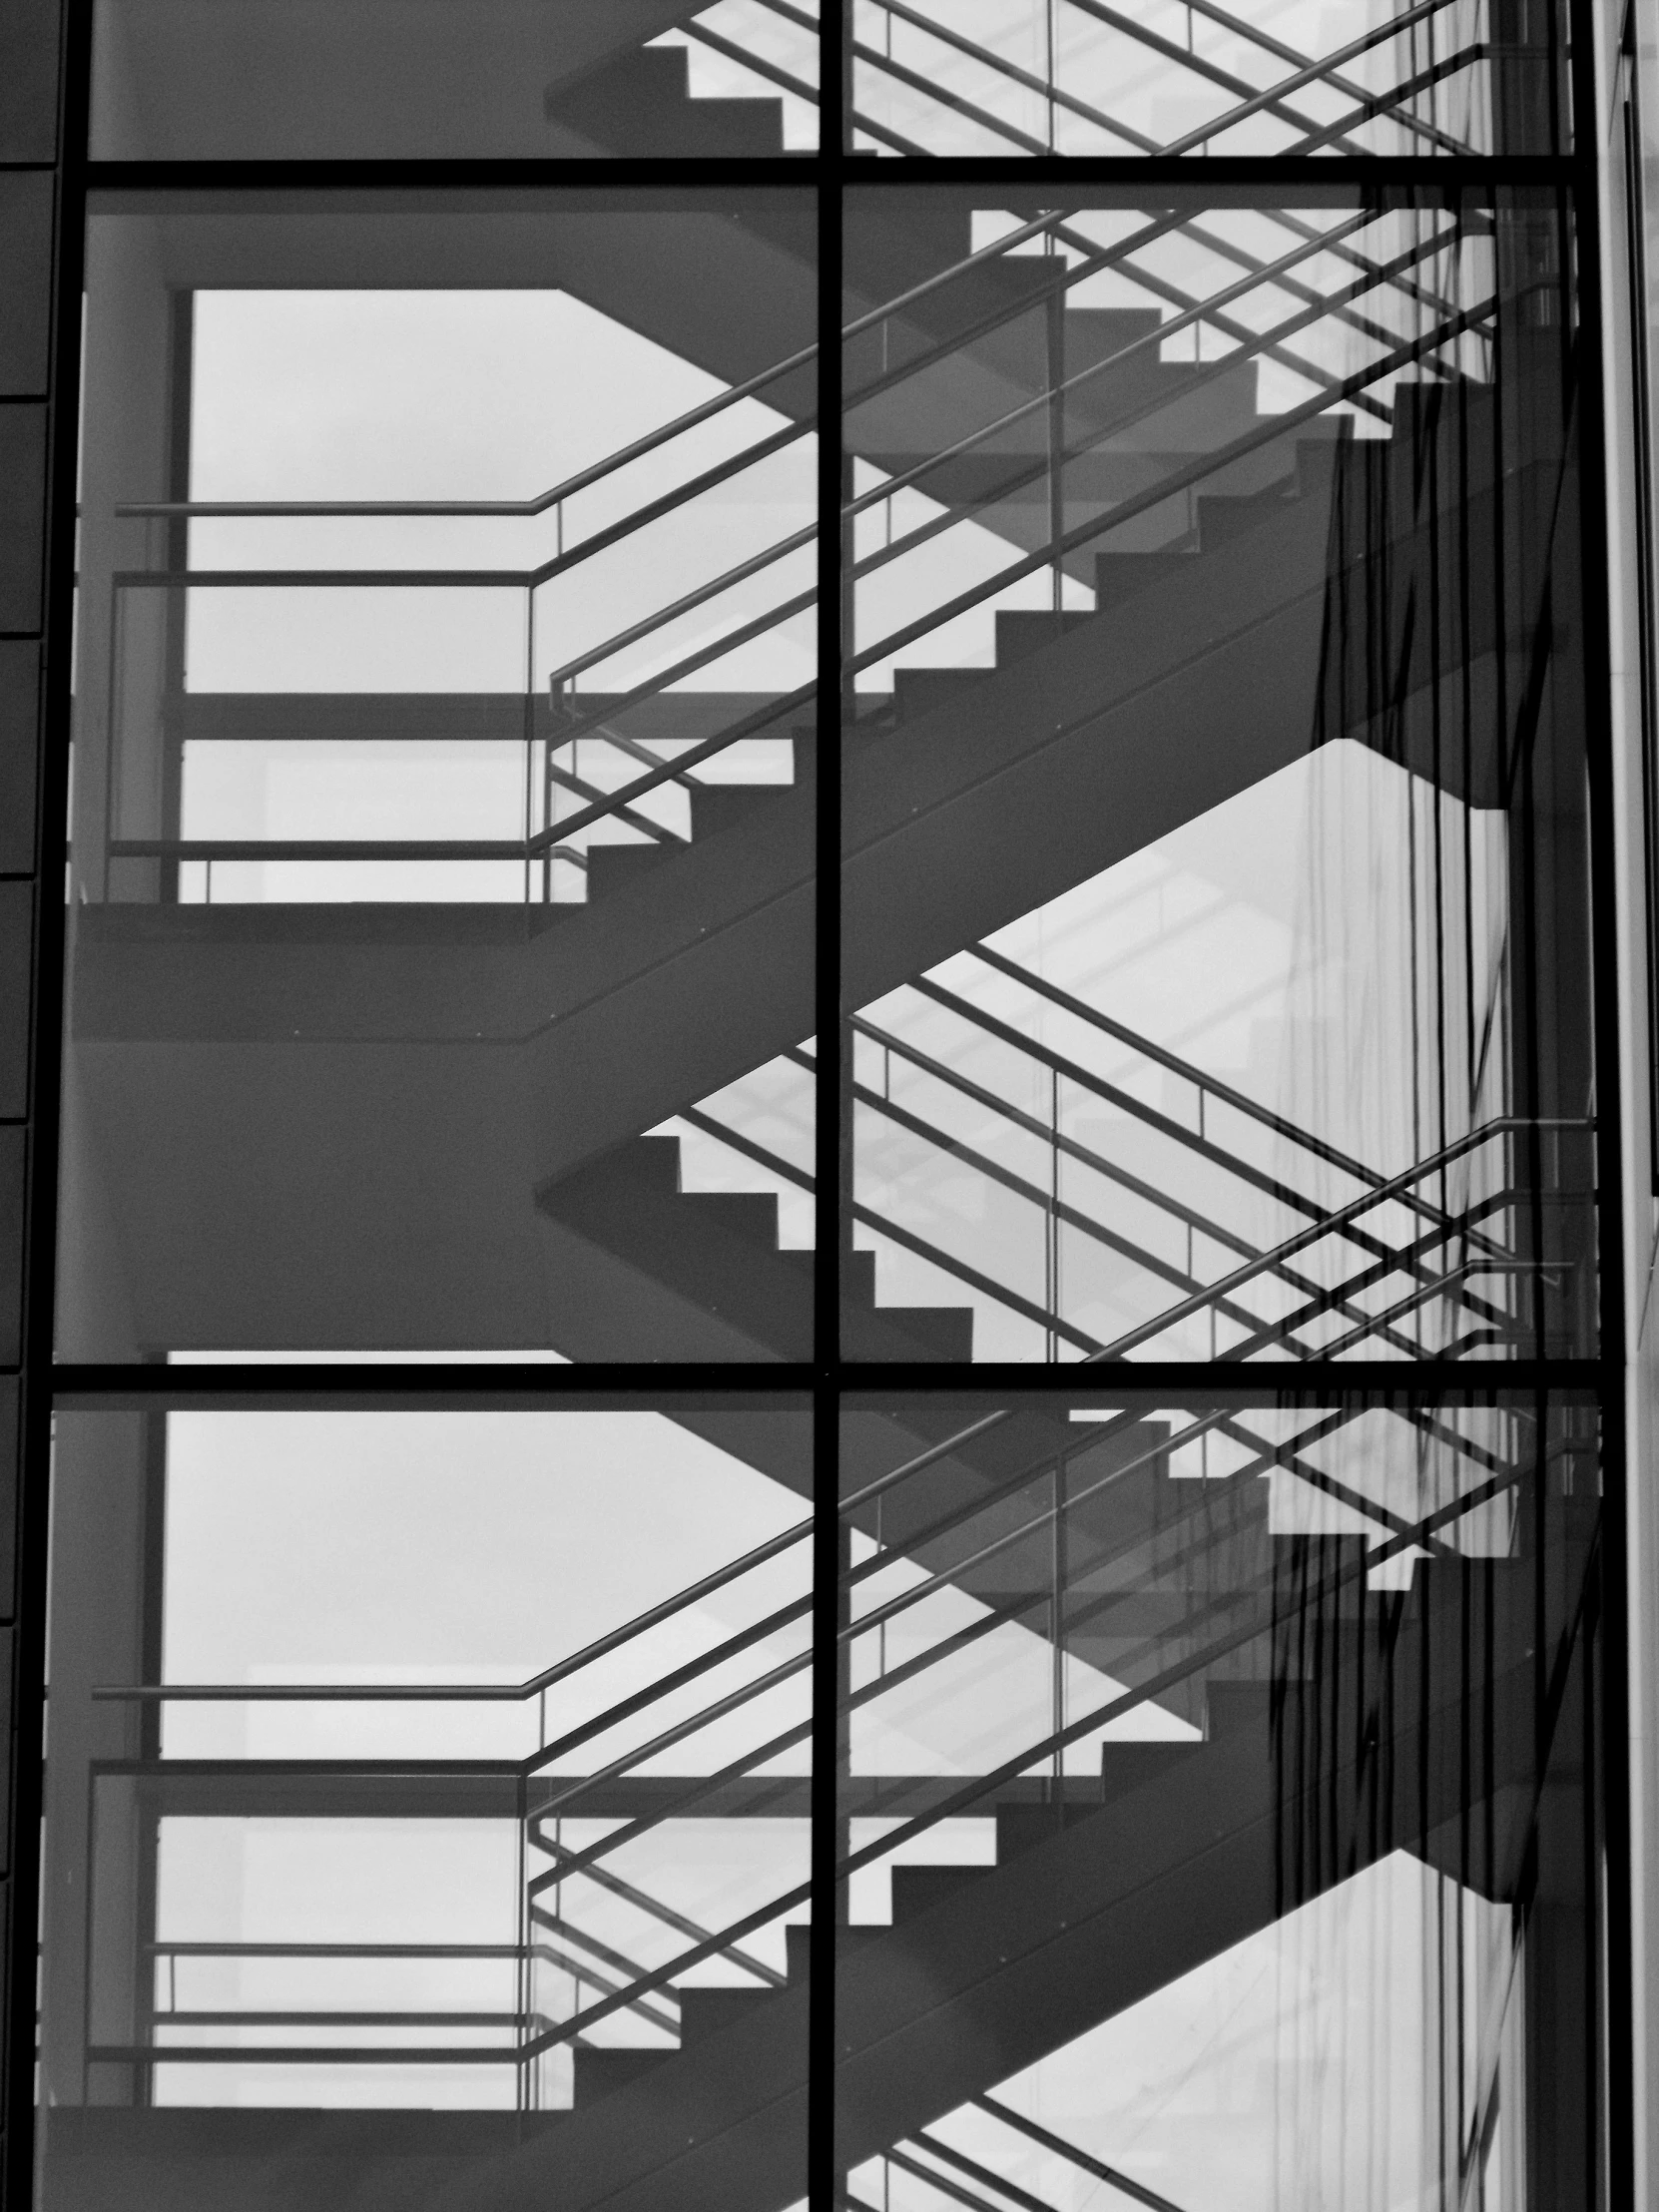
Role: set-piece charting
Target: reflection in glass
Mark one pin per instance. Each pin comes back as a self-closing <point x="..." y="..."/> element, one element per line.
<point x="442" y="836"/>
<point x="1214" y="1797"/>
<point x="1216" y="892"/>
<point x="426" y="1786"/>
<point x="375" y="80"/>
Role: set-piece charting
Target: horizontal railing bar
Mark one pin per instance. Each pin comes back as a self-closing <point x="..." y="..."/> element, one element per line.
<point x="190" y="2017"/>
<point x="167" y="1948"/>
<point x="539" y="505"/>
<point x="470" y="1693"/>
<point x="294" y="2055"/>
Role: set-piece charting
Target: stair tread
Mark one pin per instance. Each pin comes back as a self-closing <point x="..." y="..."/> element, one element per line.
<point x="918" y="1890"/>
<point x="640" y="101"/>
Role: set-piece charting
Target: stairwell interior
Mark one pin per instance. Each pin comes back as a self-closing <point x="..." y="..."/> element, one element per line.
<point x="433" y="1788"/>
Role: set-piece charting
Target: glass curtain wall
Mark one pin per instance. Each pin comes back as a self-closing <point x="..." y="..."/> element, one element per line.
<point x="1179" y="954"/>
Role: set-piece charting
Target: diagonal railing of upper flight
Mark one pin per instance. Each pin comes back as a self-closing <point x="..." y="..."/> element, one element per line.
<point x="1385" y="290"/>
<point x="1142" y="66"/>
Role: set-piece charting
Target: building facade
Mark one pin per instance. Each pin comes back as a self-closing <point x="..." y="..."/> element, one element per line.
<point x="883" y="1458"/>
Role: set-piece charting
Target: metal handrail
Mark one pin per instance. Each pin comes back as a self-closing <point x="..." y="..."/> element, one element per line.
<point x="1241" y="27"/>
<point x="1224" y="1093"/>
<point x="1273" y="98"/>
<point x="1202" y="311"/>
<point x="543" y="502"/>
<point x="1142" y="502"/>
<point x="716" y="1943"/>
<point x="1115" y="2178"/>
<point x="1277" y="1332"/>
<point x="1269" y="98"/>
<point x="758" y="63"/>
<point x="974" y="1790"/>
<point x="1249" y="343"/>
<point x="539" y="504"/>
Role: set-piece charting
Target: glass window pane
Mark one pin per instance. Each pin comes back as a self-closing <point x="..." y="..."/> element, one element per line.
<point x="442" y="928"/>
<point x="1215" y="1787"/>
<point x="427" y="1803"/>
<point x="1217" y="917"/>
<point x="1073" y="77"/>
<point x="376" y="80"/>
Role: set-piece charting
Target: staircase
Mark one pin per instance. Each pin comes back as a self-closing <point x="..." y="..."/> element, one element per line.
<point x="1214" y="572"/>
<point x="1312" y="1717"/>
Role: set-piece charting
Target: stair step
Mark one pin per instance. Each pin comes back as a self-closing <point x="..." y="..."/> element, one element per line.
<point x="946" y="1331"/>
<point x="1021" y="1828"/>
<point x="868" y="1331"/>
<point x="751" y="1215"/>
<point x="718" y="1249"/>
<point x="614" y="869"/>
<point x="641" y="103"/>
<point x="705" y="2012"/>
<point x="918" y="1890"/>
<point x="924" y="691"/>
<point x="648" y="1163"/>
<point x="1223" y="516"/>
<point x="1230" y="1707"/>
<point x="719" y="807"/>
<point x="1022" y="632"/>
<point x="1121" y="576"/>
<point x="598" y="2073"/>
<point x="1095" y="333"/>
